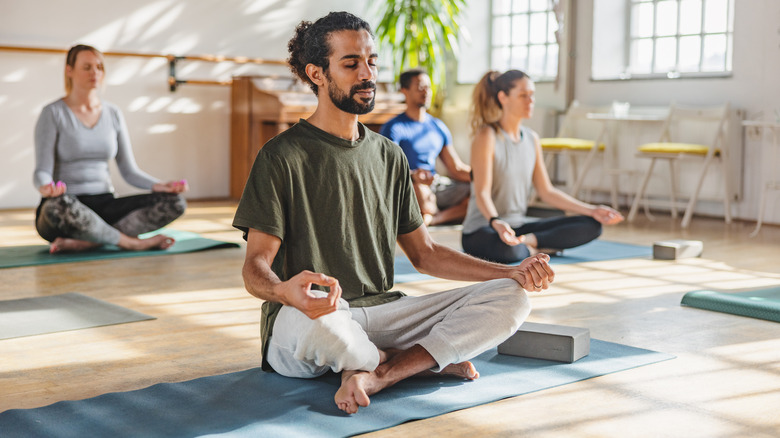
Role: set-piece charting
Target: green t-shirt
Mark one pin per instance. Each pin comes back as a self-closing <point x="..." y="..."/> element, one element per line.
<point x="338" y="207"/>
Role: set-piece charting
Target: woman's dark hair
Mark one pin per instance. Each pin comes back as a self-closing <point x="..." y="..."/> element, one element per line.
<point x="311" y="45"/>
<point x="486" y="109"/>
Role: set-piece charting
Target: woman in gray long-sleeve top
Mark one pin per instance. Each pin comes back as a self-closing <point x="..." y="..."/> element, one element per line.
<point x="75" y="138"/>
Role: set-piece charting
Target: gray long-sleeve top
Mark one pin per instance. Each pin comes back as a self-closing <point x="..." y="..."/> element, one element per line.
<point x="68" y="151"/>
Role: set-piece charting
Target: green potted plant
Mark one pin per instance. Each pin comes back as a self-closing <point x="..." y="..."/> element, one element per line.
<point x="422" y="34"/>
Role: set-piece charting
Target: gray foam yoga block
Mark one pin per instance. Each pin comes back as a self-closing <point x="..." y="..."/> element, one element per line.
<point x="677" y="249"/>
<point x="548" y="341"/>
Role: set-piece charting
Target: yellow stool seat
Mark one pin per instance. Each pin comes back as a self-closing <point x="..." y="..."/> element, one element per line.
<point x="675" y="148"/>
<point x="576" y="144"/>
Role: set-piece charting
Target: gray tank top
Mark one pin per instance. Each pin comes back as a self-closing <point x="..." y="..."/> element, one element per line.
<point x="513" y="169"/>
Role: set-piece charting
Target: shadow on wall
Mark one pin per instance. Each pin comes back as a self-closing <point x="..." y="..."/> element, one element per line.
<point x="181" y="135"/>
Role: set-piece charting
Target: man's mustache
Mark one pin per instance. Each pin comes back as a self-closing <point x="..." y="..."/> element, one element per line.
<point x="362" y="87"/>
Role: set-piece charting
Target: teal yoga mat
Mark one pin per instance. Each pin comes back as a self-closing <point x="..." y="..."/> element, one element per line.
<point x="595" y="251"/>
<point x="760" y="303"/>
<point x="17" y="256"/>
<point x="253" y="403"/>
<point x="59" y="313"/>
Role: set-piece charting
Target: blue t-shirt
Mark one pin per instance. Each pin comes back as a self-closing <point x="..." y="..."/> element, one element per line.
<point x="421" y="141"/>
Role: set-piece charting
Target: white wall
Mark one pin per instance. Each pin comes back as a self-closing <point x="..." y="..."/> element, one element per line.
<point x="753" y="87"/>
<point x="184" y="134"/>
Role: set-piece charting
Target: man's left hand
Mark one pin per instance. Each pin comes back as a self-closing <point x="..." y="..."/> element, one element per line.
<point x="534" y="274"/>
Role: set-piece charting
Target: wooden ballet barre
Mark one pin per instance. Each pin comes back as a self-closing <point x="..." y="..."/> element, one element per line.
<point x="173" y="81"/>
<point x="206" y="58"/>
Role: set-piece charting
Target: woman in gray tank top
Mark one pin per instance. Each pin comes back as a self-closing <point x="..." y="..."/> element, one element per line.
<point x="506" y="163"/>
<point x="75" y="138"/>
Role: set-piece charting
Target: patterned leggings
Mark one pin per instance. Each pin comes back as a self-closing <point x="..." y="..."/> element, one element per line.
<point x="101" y="218"/>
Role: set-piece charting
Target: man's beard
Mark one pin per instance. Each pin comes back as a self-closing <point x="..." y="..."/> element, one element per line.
<point x="347" y="102"/>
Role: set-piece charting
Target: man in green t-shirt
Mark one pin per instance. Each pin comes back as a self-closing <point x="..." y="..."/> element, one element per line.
<point x="324" y="205"/>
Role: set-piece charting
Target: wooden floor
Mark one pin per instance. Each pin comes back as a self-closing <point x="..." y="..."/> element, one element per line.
<point x="725" y="381"/>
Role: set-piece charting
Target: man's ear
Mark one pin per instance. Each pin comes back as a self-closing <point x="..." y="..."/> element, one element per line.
<point x="405" y="92"/>
<point x="316" y="74"/>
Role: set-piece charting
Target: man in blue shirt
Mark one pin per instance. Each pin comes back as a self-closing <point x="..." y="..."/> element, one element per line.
<point x="424" y="138"/>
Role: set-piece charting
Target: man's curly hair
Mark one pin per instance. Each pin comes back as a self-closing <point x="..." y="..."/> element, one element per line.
<point x="310" y="44"/>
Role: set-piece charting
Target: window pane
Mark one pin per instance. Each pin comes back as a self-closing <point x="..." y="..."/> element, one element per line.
<point x="520" y="29"/>
<point x="536" y="60"/>
<point x="520" y="5"/>
<point x="714" y="53"/>
<point x="552" y="61"/>
<point x="665" y="54"/>
<point x="666" y="18"/>
<point x="539" y="5"/>
<point x="552" y="26"/>
<point x="690" y="16"/>
<point x="641" y="56"/>
<point x="715" y="16"/>
<point x="690" y="53"/>
<point x="642" y="20"/>
<point x="523" y="32"/>
<point x="501" y="31"/>
<point x="501" y="7"/>
<point x="519" y="58"/>
<point x="538" y="28"/>
<point x="500" y="59"/>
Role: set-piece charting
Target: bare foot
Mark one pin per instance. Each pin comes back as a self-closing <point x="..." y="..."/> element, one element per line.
<point x="158" y="241"/>
<point x="352" y="392"/>
<point x="64" y="244"/>
<point x="465" y="370"/>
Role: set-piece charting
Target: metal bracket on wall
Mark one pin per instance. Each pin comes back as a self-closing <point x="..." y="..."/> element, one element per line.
<point x="173" y="83"/>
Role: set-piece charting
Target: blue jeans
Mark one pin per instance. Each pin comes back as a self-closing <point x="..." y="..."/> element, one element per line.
<point x="551" y="233"/>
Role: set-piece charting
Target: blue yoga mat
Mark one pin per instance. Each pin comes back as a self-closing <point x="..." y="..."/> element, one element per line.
<point x="32" y="255"/>
<point x="595" y="251"/>
<point x="760" y="304"/>
<point x="253" y="403"/>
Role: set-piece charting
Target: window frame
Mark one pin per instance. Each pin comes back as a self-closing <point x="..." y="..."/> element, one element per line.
<point x="548" y="11"/>
<point x="675" y="73"/>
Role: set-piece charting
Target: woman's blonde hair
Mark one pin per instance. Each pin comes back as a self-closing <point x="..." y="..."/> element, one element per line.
<point x="485" y="107"/>
<point x="70" y="60"/>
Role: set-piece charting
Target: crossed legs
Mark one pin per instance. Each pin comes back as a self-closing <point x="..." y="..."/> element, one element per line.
<point x="376" y="347"/>
<point x="73" y="223"/>
<point x="554" y="233"/>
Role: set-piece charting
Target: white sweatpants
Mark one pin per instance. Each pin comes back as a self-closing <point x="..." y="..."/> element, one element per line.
<point x="453" y="326"/>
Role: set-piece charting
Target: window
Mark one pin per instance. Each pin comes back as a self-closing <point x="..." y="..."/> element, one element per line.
<point x="662" y="38"/>
<point x="523" y="37"/>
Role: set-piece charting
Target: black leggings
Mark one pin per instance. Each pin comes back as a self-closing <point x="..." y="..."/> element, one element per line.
<point x="552" y="233"/>
<point x="100" y="218"/>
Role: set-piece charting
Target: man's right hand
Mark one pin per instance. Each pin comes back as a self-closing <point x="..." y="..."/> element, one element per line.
<point x="422" y="176"/>
<point x="297" y="292"/>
